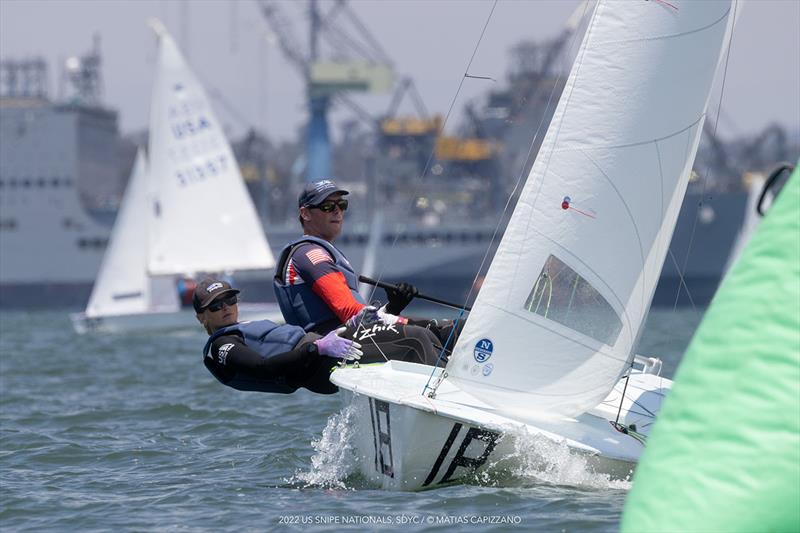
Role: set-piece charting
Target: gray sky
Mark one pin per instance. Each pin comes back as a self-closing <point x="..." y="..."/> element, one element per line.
<point x="228" y="45"/>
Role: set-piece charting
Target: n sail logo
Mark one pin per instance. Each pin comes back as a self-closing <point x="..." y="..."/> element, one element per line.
<point x="483" y="350"/>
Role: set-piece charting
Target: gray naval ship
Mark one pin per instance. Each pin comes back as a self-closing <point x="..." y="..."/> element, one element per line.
<point x="59" y="184"/>
<point x="432" y="221"/>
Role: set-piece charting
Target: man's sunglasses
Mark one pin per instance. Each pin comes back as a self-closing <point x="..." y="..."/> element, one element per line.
<point x="329" y="206"/>
<point x="216" y="305"/>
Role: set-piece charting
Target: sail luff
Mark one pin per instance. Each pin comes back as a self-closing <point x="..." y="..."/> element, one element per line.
<point x="595" y="217"/>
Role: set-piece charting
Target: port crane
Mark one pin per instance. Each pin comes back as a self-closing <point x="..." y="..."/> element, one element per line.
<point x="352" y="60"/>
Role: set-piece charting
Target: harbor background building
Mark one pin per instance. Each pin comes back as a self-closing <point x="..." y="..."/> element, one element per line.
<point x="437" y="190"/>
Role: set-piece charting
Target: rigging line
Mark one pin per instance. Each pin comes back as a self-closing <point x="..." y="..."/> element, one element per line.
<point x="443" y="374"/>
<point x="479" y="77"/>
<point x="681" y="282"/>
<point x="513" y="192"/>
<point x="624" y="390"/>
<point x="708" y="167"/>
<point x="427" y="166"/>
<point x="527" y="158"/>
<point x="379" y="348"/>
<point x="425" y="171"/>
<point x="447" y="117"/>
<point x="458" y="90"/>
<point x="372" y="339"/>
<point x="661" y="185"/>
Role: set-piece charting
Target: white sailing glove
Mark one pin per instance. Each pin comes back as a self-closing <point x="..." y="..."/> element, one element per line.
<point x="390" y="319"/>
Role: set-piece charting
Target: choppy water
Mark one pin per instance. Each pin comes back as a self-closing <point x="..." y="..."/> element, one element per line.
<point x="131" y="432"/>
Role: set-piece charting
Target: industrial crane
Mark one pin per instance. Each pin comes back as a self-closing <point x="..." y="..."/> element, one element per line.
<point x="355" y="62"/>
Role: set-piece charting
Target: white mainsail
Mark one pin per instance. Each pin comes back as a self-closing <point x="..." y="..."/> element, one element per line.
<point x="205" y="220"/>
<point x="555" y="323"/>
<point x="122" y="284"/>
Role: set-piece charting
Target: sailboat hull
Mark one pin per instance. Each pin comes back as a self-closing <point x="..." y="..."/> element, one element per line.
<point x="163" y="321"/>
<point x="407" y="441"/>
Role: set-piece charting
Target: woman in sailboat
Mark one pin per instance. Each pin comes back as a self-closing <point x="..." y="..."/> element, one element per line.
<point x="317" y="288"/>
<point x="263" y="356"/>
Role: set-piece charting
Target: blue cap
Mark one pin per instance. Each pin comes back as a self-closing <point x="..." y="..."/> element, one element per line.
<point x="316" y="193"/>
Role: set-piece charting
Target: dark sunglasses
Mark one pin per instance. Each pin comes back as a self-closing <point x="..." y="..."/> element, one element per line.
<point x="328" y="207"/>
<point x="216" y="305"/>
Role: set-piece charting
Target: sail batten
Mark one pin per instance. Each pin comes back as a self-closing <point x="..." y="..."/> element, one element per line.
<point x="564" y="299"/>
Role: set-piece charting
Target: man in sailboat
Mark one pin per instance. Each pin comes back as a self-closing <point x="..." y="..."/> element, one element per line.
<point x="317" y="288"/>
<point x="261" y="355"/>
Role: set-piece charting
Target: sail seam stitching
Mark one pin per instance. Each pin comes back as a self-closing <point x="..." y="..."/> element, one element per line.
<point x="625" y="204"/>
<point x="632" y="144"/>
<point x="669" y="36"/>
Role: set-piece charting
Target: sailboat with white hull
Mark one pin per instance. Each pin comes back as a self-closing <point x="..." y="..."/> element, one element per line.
<point x="548" y="349"/>
<point x="186" y="212"/>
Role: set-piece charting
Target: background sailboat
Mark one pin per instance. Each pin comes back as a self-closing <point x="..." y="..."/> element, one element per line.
<point x="184" y="214"/>
<point x="562" y="306"/>
<point x="122" y="287"/>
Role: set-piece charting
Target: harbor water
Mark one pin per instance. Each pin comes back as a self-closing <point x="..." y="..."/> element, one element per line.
<point x="132" y="433"/>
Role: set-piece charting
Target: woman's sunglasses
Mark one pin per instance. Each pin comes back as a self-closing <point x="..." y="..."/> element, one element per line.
<point x="216" y="305"/>
<point x="329" y="206"/>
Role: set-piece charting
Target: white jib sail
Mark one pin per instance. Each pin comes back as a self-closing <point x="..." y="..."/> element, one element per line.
<point x="205" y="220"/>
<point x="553" y="327"/>
<point x="122" y="285"/>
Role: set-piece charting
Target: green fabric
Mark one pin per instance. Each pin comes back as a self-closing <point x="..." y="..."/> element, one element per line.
<point x="724" y="454"/>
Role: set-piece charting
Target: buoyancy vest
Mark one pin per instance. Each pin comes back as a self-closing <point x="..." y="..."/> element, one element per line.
<point x="268" y="339"/>
<point x="299" y="304"/>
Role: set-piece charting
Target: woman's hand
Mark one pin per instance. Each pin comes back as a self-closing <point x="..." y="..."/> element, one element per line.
<point x="333" y="345"/>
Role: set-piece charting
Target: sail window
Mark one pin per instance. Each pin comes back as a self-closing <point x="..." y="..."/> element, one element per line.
<point x="562" y="295"/>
